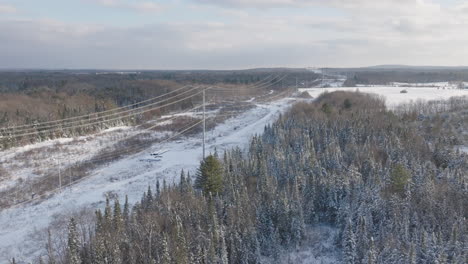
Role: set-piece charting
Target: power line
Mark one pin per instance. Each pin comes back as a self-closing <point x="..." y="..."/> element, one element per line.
<point x="116" y="154"/>
<point x="87" y="115"/>
<point x="36" y="125"/>
<point x="174" y="116"/>
<point x="46" y="128"/>
<point x="85" y="177"/>
<point x="108" y="120"/>
<point x="61" y="126"/>
<point x="262" y="86"/>
<point x="122" y="152"/>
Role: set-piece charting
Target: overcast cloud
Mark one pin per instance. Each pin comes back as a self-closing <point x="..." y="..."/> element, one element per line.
<point x="231" y="34"/>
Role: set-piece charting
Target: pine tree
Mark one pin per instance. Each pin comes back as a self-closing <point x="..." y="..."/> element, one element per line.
<point x="223" y="258"/>
<point x="165" y="255"/>
<point x="372" y="254"/>
<point x="50" y="250"/>
<point x="126" y="211"/>
<point x="210" y="176"/>
<point x="100" y="255"/>
<point x="149" y="198"/>
<point x="349" y="244"/>
<point x="107" y="216"/>
<point x="158" y="189"/>
<point x="73" y="243"/>
<point x="118" y="221"/>
<point x="181" y="255"/>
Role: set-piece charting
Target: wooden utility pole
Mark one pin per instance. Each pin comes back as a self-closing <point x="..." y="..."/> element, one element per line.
<point x="297" y="87"/>
<point x="204" y="124"/>
<point x="59" y="174"/>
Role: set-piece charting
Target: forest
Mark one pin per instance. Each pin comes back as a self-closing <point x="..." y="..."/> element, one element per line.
<point x="371" y="76"/>
<point x="343" y="160"/>
<point x="32" y="97"/>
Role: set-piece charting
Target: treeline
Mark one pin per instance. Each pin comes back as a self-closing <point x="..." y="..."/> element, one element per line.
<point x="382" y="77"/>
<point x="29" y="98"/>
<point x="343" y="160"/>
<point x="53" y="99"/>
<point x="97" y="109"/>
<point x="31" y="80"/>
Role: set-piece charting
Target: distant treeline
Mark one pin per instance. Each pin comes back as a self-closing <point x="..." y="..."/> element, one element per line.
<point x="364" y="76"/>
<point x="79" y="81"/>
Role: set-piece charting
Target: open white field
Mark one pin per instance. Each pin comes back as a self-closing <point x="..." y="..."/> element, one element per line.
<point x="393" y="95"/>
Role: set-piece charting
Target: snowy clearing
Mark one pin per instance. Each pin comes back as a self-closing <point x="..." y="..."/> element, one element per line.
<point x="392" y="94"/>
<point x="129" y="176"/>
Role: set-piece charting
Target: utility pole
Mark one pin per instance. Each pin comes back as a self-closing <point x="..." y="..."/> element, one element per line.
<point x="297" y="87"/>
<point x="323" y="76"/>
<point x="59" y="174"/>
<point x="71" y="178"/>
<point x="204" y="124"/>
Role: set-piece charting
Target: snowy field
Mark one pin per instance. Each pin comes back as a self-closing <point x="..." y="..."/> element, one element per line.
<point x="392" y="94"/>
<point x="128" y="176"/>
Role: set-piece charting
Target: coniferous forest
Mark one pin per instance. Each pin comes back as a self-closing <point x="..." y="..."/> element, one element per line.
<point x="343" y="160"/>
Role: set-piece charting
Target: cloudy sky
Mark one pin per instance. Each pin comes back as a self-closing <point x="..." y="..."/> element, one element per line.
<point x="231" y="34"/>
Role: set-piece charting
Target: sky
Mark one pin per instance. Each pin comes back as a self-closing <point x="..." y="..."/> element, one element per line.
<point x="231" y="34"/>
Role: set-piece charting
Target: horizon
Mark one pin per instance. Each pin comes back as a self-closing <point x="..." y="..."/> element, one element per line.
<point x="378" y="66"/>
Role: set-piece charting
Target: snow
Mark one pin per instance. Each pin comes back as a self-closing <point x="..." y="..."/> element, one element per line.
<point x="446" y="85"/>
<point x="319" y="247"/>
<point x="392" y="94"/>
<point x="463" y="149"/>
<point x="128" y="176"/>
<point x="32" y="161"/>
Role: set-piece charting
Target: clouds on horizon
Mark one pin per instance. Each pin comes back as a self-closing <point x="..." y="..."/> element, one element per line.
<point x="244" y="34"/>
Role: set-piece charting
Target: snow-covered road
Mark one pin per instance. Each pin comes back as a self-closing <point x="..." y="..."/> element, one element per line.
<point x="128" y="176"/>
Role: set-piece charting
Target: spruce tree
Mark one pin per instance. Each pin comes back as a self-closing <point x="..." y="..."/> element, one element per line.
<point x="165" y="255"/>
<point x="210" y="176"/>
<point x="126" y="211"/>
<point x="73" y="243"/>
<point x="349" y="244"/>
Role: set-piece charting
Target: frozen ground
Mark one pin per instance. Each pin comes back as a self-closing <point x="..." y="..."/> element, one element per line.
<point x="128" y="176"/>
<point x="392" y="94"/>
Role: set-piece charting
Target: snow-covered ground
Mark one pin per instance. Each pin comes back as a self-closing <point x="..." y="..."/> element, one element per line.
<point x="441" y="85"/>
<point x="128" y="176"/>
<point x="392" y="94"/>
<point x="31" y="161"/>
<point x="463" y="149"/>
<point x="318" y="248"/>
